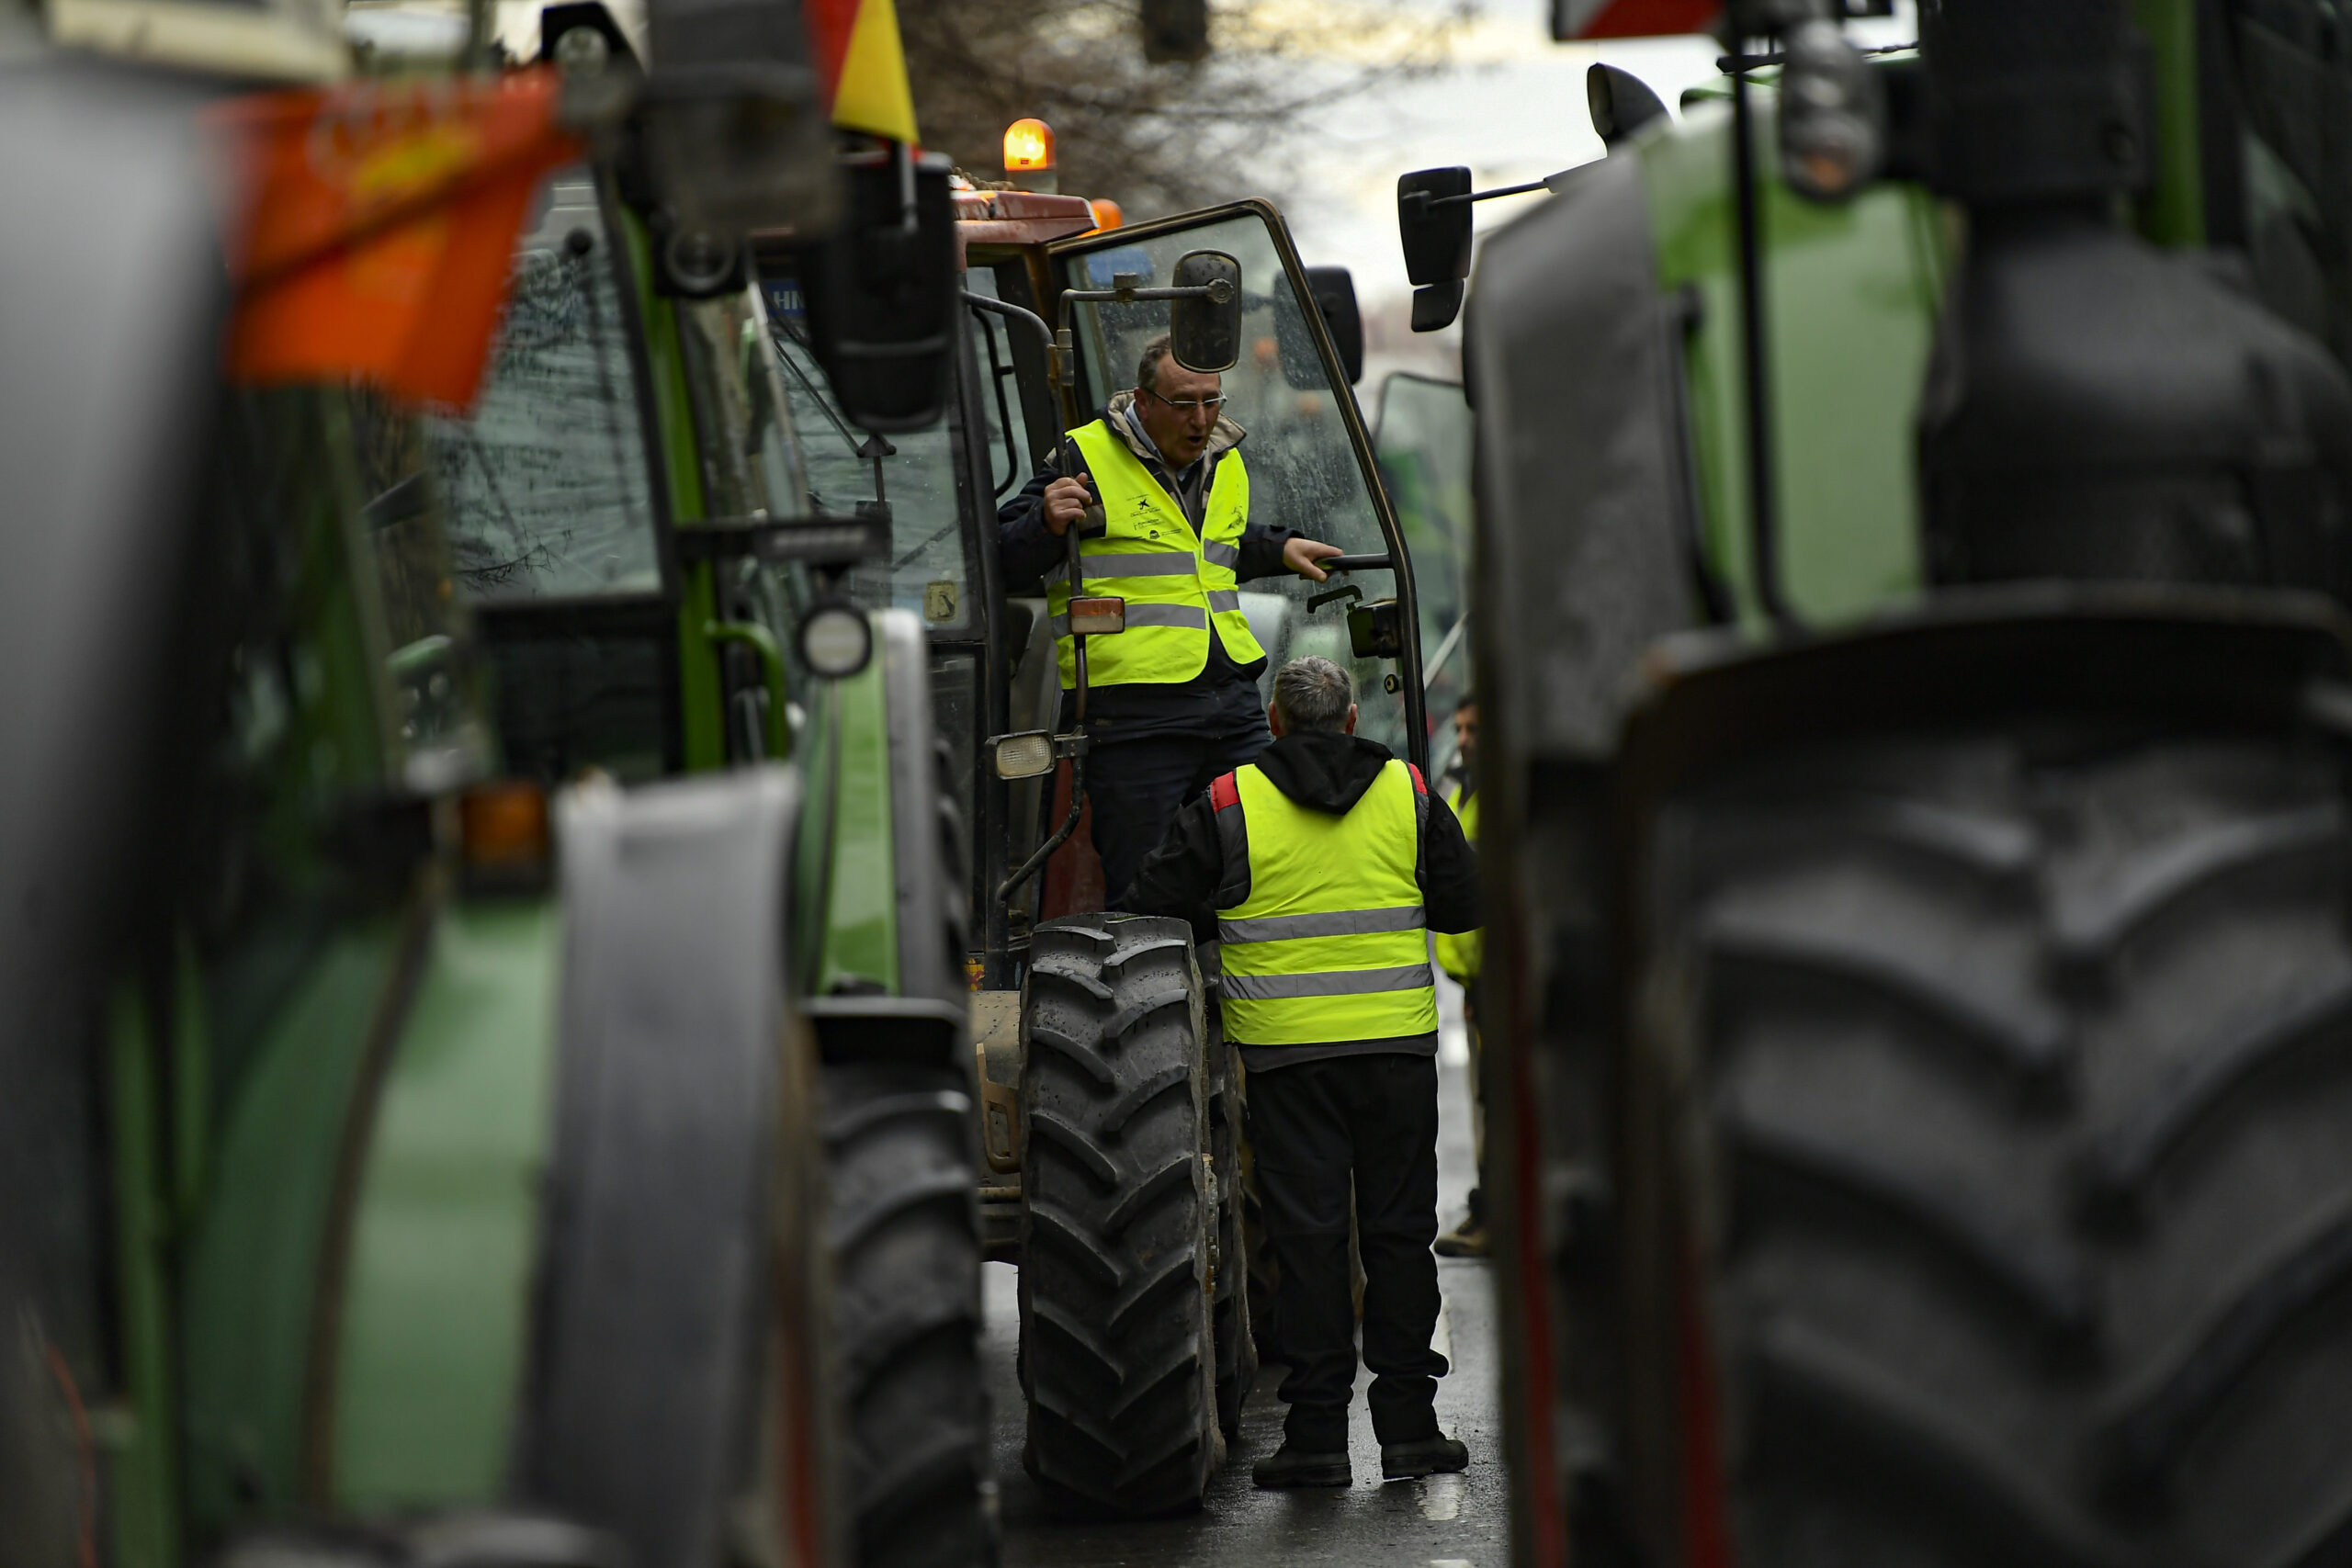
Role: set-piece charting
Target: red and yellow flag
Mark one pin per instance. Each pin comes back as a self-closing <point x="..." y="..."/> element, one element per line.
<point x="863" y="66"/>
<point x="379" y="227"/>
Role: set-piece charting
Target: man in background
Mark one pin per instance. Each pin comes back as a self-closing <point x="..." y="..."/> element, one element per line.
<point x="1458" y="957"/>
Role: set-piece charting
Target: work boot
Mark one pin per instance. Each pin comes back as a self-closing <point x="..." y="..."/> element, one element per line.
<point x="1440" y="1455"/>
<point x="1467" y="1239"/>
<point x="1293" y="1466"/>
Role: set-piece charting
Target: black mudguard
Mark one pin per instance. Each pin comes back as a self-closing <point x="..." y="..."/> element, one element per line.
<point x="656" y="1291"/>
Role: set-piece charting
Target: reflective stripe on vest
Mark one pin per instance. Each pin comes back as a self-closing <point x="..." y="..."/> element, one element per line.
<point x="1330" y="943"/>
<point x="1459" y="956"/>
<point x="1177" y="583"/>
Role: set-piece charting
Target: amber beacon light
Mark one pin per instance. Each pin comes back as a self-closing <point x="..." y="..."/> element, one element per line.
<point x="1028" y="147"/>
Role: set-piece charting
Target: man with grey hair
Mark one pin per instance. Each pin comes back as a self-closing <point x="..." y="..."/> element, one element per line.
<point x="1160" y="499"/>
<point x="1320" y="869"/>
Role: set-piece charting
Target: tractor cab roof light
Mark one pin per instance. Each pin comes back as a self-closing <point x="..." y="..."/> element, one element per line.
<point x="1028" y="147"/>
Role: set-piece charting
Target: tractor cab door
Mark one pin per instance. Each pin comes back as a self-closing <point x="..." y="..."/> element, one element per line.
<point x="1310" y="456"/>
<point x="1421" y="435"/>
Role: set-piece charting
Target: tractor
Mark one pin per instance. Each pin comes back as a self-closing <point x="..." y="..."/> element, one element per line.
<point x="409" y="1161"/>
<point x="1913" y="492"/>
<point x="662" y="594"/>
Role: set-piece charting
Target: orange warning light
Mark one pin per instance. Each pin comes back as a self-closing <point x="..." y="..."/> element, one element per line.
<point x="1028" y="146"/>
<point x="1106" y="213"/>
<point x="504" y="825"/>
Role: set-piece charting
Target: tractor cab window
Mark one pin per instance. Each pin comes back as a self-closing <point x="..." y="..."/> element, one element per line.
<point x="296" y="716"/>
<point x="546" y="479"/>
<point x="429" y="655"/>
<point x="1422" y="439"/>
<point x="913" y="473"/>
<point x="1305" y="470"/>
<point x="751" y="456"/>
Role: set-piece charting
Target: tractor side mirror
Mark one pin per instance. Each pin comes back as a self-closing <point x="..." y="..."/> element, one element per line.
<point x="1334" y="288"/>
<point x="735" y="131"/>
<point x="1621" y="103"/>
<point x="1205" y="330"/>
<point x="881" y="295"/>
<point x="1433" y="220"/>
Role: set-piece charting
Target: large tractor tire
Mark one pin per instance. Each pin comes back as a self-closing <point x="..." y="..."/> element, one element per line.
<point x="901" y="1147"/>
<point x="2002" y="1083"/>
<point x="1118" y="1350"/>
<point x="906" y="1316"/>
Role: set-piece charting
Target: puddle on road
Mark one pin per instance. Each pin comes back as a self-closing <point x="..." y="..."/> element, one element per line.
<point x="1441" y="1497"/>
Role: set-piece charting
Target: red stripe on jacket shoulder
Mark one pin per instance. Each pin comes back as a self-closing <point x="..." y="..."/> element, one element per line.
<point x="1223" y="791"/>
<point x="1418" y="785"/>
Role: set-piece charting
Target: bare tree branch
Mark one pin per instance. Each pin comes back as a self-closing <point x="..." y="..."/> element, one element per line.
<point x="1156" y="137"/>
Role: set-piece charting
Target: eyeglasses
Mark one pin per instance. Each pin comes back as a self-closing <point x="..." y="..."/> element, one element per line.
<point x="1188" y="406"/>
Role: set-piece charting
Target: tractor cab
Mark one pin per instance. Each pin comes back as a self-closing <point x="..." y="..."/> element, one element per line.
<point x="1311" y="465"/>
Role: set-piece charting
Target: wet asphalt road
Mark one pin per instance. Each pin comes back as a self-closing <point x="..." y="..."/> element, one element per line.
<point x="1447" y="1521"/>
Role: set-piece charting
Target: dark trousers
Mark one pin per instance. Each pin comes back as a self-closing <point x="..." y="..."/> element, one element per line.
<point x="1314" y="1128"/>
<point x="1136" y="787"/>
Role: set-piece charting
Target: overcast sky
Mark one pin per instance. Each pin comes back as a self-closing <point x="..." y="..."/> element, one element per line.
<point x="1511" y="107"/>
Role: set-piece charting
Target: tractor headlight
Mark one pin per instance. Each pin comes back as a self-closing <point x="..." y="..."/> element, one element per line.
<point x="835" y="641"/>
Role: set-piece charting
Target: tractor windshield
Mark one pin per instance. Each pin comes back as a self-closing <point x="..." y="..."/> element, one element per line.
<point x="913" y="473"/>
<point x="429" y="653"/>
<point x="546" y="481"/>
<point x="752" y="464"/>
<point x="1303" y="470"/>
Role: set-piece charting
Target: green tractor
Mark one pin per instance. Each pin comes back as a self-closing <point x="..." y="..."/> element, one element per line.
<point x="407" y="1163"/>
<point x="665" y="589"/>
<point x="1913" y="499"/>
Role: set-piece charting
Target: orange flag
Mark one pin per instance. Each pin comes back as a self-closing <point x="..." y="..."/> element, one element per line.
<point x="380" y="226"/>
<point x="862" y="67"/>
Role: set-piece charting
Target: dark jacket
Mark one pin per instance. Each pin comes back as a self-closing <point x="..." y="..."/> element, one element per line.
<point x="1187" y="876"/>
<point x="1224" y="696"/>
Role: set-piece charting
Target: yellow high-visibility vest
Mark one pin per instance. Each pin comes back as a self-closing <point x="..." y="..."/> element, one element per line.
<point x="1331" y="943"/>
<point x="1459" y="956"/>
<point x="1177" y="583"/>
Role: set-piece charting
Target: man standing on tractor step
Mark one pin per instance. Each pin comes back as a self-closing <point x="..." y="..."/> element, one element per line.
<point x="1326" y="863"/>
<point x="1172" y="700"/>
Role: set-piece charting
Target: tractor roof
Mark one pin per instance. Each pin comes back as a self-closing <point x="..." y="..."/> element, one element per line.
<point x="1017" y="218"/>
